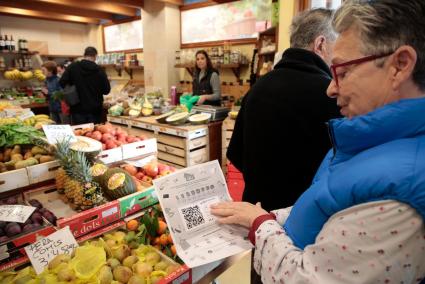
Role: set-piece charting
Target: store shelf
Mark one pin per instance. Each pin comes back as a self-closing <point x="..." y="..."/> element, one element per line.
<point x="129" y="70"/>
<point x="267" y="53"/>
<point x="236" y="68"/>
<point x="4" y="52"/>
<point x="117" y="68"/>
<point x="53" y="56"/>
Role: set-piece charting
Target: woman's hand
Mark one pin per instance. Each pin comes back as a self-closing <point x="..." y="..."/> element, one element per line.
<point x="239" y="213"/>
<point x="201" y="100"/>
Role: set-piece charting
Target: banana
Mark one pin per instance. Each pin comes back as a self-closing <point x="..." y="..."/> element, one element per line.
<point x="39" y="116"/>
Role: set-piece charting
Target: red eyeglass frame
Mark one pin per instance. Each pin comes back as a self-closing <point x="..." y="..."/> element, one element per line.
<point x="355" y="61"/>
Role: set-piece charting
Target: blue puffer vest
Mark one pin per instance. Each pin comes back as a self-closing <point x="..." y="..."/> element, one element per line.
<point x="377" y="156"/>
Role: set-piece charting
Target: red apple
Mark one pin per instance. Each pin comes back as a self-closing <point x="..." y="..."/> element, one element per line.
<point x="106" y="137"/>
<point x="147" y="179"/>
<point x="162" y="168"/>
<point x="151" y="169"/>
<point x="139" y="175"/>
<point x="110" y="144"/>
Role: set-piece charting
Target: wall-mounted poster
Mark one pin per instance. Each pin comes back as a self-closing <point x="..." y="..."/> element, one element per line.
<point x="231" y="21"/>
<point x="126" y="36"/>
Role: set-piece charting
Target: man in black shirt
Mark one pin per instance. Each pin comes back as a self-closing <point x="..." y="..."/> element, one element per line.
<point x="91" y="83"/>
<point x="280" y="135"/>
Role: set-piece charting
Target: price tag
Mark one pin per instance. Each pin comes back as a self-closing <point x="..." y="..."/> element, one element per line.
<point x="43" y="251"/>
<point x="142" y="162"/>
<point x="15" y="213"/>
<point x="26" y="115"/>
<point x="55" y="133"/>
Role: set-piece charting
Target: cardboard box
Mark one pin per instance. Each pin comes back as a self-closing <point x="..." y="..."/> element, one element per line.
<point x="13" y="253"/>
<point x="79" y="223"/>
<point x="13" y="179"/>
<point x="137" y="201"/>
<point x="183" y="275"/>
<point x="138" y="149"/>
<point x="42" y="172"/>
<point x="111" y="156"/>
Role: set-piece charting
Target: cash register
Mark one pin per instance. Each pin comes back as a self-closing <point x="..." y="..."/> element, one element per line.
<point x="217" y="112"/>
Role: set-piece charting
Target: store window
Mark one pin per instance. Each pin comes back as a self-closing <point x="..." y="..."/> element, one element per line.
<point x="331" y="4"/>
<point x="234" y="21"/>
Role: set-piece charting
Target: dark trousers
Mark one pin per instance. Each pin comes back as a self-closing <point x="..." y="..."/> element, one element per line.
<point x="81" y="118"/>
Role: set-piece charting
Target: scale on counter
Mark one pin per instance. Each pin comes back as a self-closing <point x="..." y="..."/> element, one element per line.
<point x="217" y="113"/>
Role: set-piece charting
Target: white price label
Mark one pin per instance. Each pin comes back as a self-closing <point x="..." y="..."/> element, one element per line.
<point x="15" y="213"/>
<point x="142" y="162"/>
<point x="55" y="133"/>
<point x="43" y="251"/>
<point x="26" y="115"/>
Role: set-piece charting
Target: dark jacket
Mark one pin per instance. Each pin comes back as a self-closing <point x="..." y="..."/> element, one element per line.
<point x="52" y="85"/>
<point x="280" y="136"/>
<point x="203" y="87"/>
<point x="91" y="83"/>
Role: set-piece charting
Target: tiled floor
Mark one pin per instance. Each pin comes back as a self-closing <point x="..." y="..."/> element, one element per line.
<point x="239" y="273"/>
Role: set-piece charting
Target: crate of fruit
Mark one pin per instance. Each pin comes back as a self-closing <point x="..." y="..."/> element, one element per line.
<point x="14" y="236"/>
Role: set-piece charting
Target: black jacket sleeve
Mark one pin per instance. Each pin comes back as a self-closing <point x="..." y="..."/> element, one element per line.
<point x="235" y="150"/>
<point x="66" y="77"/>
<point x="106" y="85"/>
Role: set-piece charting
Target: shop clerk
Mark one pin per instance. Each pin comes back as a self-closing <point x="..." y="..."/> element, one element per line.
<point x="206" y="81"/>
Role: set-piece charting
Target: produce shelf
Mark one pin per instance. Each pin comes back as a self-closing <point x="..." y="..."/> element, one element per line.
<point x="236" y="68"/>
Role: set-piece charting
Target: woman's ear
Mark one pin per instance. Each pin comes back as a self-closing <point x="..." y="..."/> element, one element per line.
<point x="402" y="65"/>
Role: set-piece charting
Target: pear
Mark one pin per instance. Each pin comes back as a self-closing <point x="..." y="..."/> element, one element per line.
<point x="136" y="279"/>
<point x="142" y="269"/>
<point x="61" y="258"/>
<point x="152" y="258"/>
<point x="105" y="275"/>
<point x="122" y="274"/>
<point x="66" y="274"/>
<point x="129" y="261"/>
<point x="121" y="252"/>
<point x="162" y="265"/>
<point x="113" y="262"/>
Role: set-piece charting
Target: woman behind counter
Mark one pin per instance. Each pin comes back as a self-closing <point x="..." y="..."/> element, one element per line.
<point x="206" y="81"/>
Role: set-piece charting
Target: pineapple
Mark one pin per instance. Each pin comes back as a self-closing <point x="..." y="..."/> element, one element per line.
<point x="74" y="178"/>
<point x="62" y="153"/>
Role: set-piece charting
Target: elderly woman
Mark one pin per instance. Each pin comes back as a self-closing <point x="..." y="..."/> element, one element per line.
<point x="362" y="219"/>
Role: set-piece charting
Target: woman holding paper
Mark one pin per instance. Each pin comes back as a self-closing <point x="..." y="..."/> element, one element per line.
<point x="362" y="218"/>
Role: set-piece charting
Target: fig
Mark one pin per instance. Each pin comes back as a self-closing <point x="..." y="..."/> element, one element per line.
<point x="11" y="200"/>
<point x="121" y="252"/>
<point x="130" y="260"/>
<point x="35" y="203"/>
<point x="113" y="262"/>
<point x="136" y="279"/>
<point x="122" y="274"/>
<point x="66" y="274"/>
<point x="12" y="229"/>
<point x="28" y="228"/>
<point x="152" y="258"/>
<point x="50" y="217"/>
<point x="142" y="269"/>
<point x="162" y="265"/>
<point x="61" y="258"/>
<point x="105" y="275"/>
<point x="36" y="217"/>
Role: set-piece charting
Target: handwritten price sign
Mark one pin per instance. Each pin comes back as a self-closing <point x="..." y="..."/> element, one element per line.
<point x="56" y="133"/>
<point x="15" y="213"/>
<point x="46" y="249"/>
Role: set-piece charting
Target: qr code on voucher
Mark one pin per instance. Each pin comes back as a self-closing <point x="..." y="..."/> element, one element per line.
<point x="192" y="216"/>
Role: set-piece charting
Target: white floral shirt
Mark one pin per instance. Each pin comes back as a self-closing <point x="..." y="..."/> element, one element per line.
<point x="375" y="242"/>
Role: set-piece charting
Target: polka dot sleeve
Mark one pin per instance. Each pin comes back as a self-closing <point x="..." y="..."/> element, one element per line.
<point x="376" y="242"/>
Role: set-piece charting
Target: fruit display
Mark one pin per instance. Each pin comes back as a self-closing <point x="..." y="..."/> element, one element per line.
<point x="117" y="183"/>
<point x="163" y="117"/>
<point x="149" y="172"/>
<point x="111" y="137"/>
<point x="116" y="110"/>
<point x="15" y="74"/>
<point x="37" y="121"/>
<point x="200" y="118"/>
<point x="18" y="134"/>
<point x="112" y="258"/>
<point x="178" y="118"/>
<point x="151" y="229"/>
<point x="39" y="75"/>
<point x="20" y="157"/>
<point x="74" y="178"/>
<point x="10" y="230"/>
